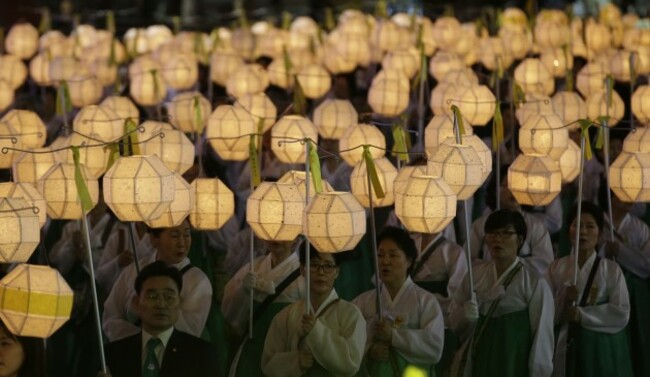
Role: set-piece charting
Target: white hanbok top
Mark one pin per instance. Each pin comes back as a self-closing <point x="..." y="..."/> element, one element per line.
<point x="633" y="236"/>
<point x="418" y="324"/>
<point x="337" y="340"/>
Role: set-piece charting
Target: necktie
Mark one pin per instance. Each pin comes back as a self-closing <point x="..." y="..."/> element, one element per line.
<point x="151" y="366"/>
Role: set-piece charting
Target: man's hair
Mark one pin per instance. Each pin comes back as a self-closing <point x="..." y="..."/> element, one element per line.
<point x="502" y="218"/>
<point x="155" y="269"/>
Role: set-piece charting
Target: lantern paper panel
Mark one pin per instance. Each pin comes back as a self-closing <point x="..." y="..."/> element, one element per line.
<point x="334" y="222"/>
<point x="536" y="104"/>
<point x="30" y="167"/>
<point x="147" y="88"/>
<point x="569" y="162"/>
<point x="184" y="200"/>
<point x="215" y="204"/>
<point x="275" y="211"/>
<point x="444" y="62"/>
<point x="99" y="120"/>
<point x="439" y="129"/>
<point x="482" y="150"/>
<point x="175" y="150"/>
<point x="189" y="111"/>
<point x="533" y="77"/>
<point x="28" y="126"/>
<point x="28" y="192"/>
<point x="641" y="103"/>
<point x="637" y="141"/>
<point x="59" y="189"/>
<point x="544" y="134"/>
<point x="569" y="107"/>
<point x="285" y="135"/>
<point x="297" y="177"/>
<point x="425" y="204"/>
<point x="386" y="173"/>
<point x="591" y="78"/>
<point x="629" y="177"/>
<point x="123" y="107"/>
<point x="333" y="117"/>
<point x="223" y="63"/>
<point x="260" y="106"/>
<point x="460" y="166"/>
<point x="247" y="79"/>
<point x="84" y="90"/>
<point x="34" y="301"/>
<point x="228" y="132"/>
<point x="442" y="96"/>
<point x="389" y="96"/>
<point x="355" y="137"/>
<point x="405" y="174"/>
<point x="477" y="104"/>
<point x="22" y="40"/>
<point x="534" y="180"/>
<point x="180" y="72"/>
<point x="315" y="81"/>
<point x="597" y="106"/>
<point x="95" y="159"/>
<point x="20" y="230"/>
<point x="12" y="70"/>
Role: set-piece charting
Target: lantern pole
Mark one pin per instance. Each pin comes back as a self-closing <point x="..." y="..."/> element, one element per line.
<point x="579" y="214"/>
<point x="64" y="113"/>
<point x="605" y="125"/>
<point x="373" y="236"/>
<point x="251" y="255"/>
<point x="497" y="92"/>
<point x="91" y="268"/>
<point x="132" y="233"/>
<point x="421" y="103"/>
<point x="307" y="246"/>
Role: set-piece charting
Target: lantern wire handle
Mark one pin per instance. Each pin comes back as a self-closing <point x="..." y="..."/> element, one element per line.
<point x="34" y="209"/>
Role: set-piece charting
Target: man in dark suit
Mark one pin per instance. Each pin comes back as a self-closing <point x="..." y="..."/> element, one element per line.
<point x="159" y="350"/>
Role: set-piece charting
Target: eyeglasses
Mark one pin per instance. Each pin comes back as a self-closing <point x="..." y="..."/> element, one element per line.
<point x="166" y="299"/>
<point x="326" y="268"/>
<point x="502" y="234"/>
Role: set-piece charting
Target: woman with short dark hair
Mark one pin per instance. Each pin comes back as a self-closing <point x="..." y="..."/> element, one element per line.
<point x="21" y="356"/>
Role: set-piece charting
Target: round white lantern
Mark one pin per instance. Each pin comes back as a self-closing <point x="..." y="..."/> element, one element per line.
<point x="386" y="173"/>
<point x="228" y="130"/>
<point x="274" y="211"/>
<point x="183" y="111"/>
<point x="278" y="75"/>
<point x="12" y="70"/>
<point x="439" y="129"/>
<point x="591" y="78"/>
<point x="123" y="107"/>
<point x="98" y="120"/>
<point x="460" y="166"/>
<point x="84" y="90"/>
<point x="247" y="79"/>
<point x="569" y="162"/>
<point x="179" y="209"/>
<point x="544" y="134"/>
<point x="28" y="125"/>
<point x="214" y="206"/>
<point x="494" y="54"/>
<point x="641" y="103"/>
<point x="406" y="60"/>
<point x="629" y="177"/>
<point x="477" y="104"/>
<point x="536" y="104"/>
<point x="444" y="62"/>
<point x="59" y="189"/>
<point x="569" y="107"/>
<point x="315" y="81"/>
<point x="405" y="174"/>
<point x="260" y="106"/>
<point x="22" y="40"/>
<point x="298" y="178"/>
<point x="20" y="230"/>
<point x="442" y="96"/>
<point x="180" y="72"/>
<point x="175" y="150"/>
<point x="148" y="88"/>
<point x="355" y="137"/>
<point x="597" y="106"/>
<point x="557" y="63"/>
<point x="425" y="204"/>
<point x="28" y="192"/>
<point x="638" y="141"/>
<point x="39" y="69"/>
<point x="389" y="94"/>
<point x="223" y="63"/>
<point x="534" y="180"/>
<point x="333" y="117"/>
<point x="285" y="135"/>
<point x="446" y="30"/>
<point x="29" y="167"/>
<point x="483" y="151"/>
<point x="533" y="77"/>
<point x="62" y="68"/>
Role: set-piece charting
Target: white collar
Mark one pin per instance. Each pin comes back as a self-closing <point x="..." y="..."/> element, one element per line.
<point x="163" y="336"/>
<point x="506" y="272"/>
<point x="332" y="296"/>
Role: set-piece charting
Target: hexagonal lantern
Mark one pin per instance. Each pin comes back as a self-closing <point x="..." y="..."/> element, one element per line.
<point x="533" y="77"/>
<point x="425" y="204"/>
<point x="227" y="132"/>
<point x="99" y="120"/>
<point x="569" y="162"/>
<point x="28" y="126"/>
<point x="460" y="166"/>
<point x="314" y="80"/>
<point x="482" y="150"/>
<point x="147" y="88"/>
<point x="34" y="300"/>
<point x="629" y="177"/>
<point x="439" y="129"/>
<point x="175" y="150"/>
<point x="441" y="97"/>
<point x="95" y="159"/>
<point x="389" y="94"/>
<point x="182" y="111"/>
<point x="275" y="210"/>
<point x="84" y="90"/>
<point x="260" y="106"/>
<point x="386" y="173"/>
<point x="123" y="107"/>
<point x="544" y="134"/>
<point x="641" y="103"/>
<point x="138" y="188"/>
<point x="247" y="79"/>
<point x="597" y="106"/>
<point x="184" y="199"/>
<point x="334" y="222"/>
<point x="591" y="78"/>
<point x="477" y="104"/>
<point x="357" y="136"/>
<point x="444" y="62"/>
<point x="534" y="180"/>
<point x="59" y="189"/>
<point x="22" y="40"/>
<point x="333" y="117"/>
<point x="20" y="230"/>
<point x="569" y="107"/>
<point x="29" y="167"/>
<point x="214" y="204"/>
<point x="285" y="134"/>
<point x="297" y="177"/>
<point x="180" y="72"/>
<point x="638" y="140"/>
<point x="28" y="192"/>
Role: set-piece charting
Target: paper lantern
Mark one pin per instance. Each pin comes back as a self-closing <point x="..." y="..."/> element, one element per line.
<point x="184" y="199"/>
<point x="6" y="141"/>
<point x="99" y="120"/>
<point x="22" y="40"/>
<point x="20" y="230"/>
<point x="223" y="63"/>
<point x="386" y="173"/>
<point x="28" y="126"/>
<point x="550" y="34"/>
<point x="597" y="106"/>
<point x="534" y="180"/>
<point x="214" y="206"/>
<point x="569" y="162"/>
<point x="405" y="60"/>
<point x="439" y="129"/>
<point x="175" y="150"/>
<point x="442" y="96"/>
<point x="247" y="79"/>
<point x="533" y="77"/>
<point x="12" y="70"/>
<point x="6" y="96"/>
<point x="334" y="222"/>
<point x="591" y="78"/>
<point x="536" y="104"/>
<point x="228" y="132"/>
<point x="153" y="129"/>
<point x="29" y="193"/>
<point x="461" y="77"/>
<point x="298" y="178"/>
<point x="333" y="117"/>
<point x="35" y="301"/>
<point x="148" y="88"/>
<point x="460" y="166"/>
<point x="39" y="69"/>
<point x="355" y="137"/>
<point x="348" y="50"/>
<point x="598" y="37"/>
<point x="95" y="159"/>
<point x="143" y="65"/>
<point x="619" y="65"/>
<point x="641" y="103"/>
<point x="405" y="174"/>
<point x="519" y="42"/>
<point x="494" y="54"/>
<point x="629" y="177"/>
<point x="183" y="111"/>
<point x="278" y="75"/>
<point x="569" y="107"/>
<point x="63" y="68"/>
<point x="637" y="141"/>
<point x="483" y="151"/>
<point x="385" y="36"/>
<point x="274" y="211"/>
<point x="29" y="167"/>
<point x="446" y="30"/>
<point x="556" y="61"/>
<point x="444" y="62"/>
<point x="285" y="134"/>
<point x="59" y="189"/>
<point x="544" y="134"/>
<point x="84" y="90"/>
<point x="389" y="94"/>
<point x="315" y="81"/>
<point x="123" y="107"/>
<point x="104" y="71"/>
<point x="138" y="188"/>
<point x="477" y="104"/>
<point x="260" y="106"/>
<point x="180" y="72"/>
<point x="425" y="204"/>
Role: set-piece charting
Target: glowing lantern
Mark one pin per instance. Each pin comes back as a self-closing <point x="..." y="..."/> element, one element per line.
<point x="544" y="134"/>
<point x="12" y="70"/>
<point x="175" y="150"/>
<point x="460" y="166"/>
<point x="274" y="211"/>
<point x="315" y="81"/>
<point x="494" y="54"/>
<point x="223" y="64"/>
<point x="619" y="65"/>
<point x="104" y="71"/>
<point x="598" y="38"/>
<point x="278" y="75"/>
<point x="462" y="77"/>
<point x="441" y="98"/>
<point x="261" y="107"/>
<point x="35" y="301"/>
<point x="569" y="107"/>
<point x="536" y="104"/>
<point x="569" y="162"/>
<point x="519" y="42"/>
<point x="181" y="72"/>
<point x="334" y="222"/>
<point x="591" y="78"/>
<point x="385" y="36"/>
<point x="138" y="188"/>
<point x="533" y="77"/>
<point x="59" y="189"/>
<point x="298" y="178"/>
<point x="179" y="209"/>
<point x="550" y="34"/>
<point x="22" y="40"/>
<point x="6" y="96"/>
<point x="444" y="62"/>
<point x="28" y="126"/>
<point x="425" y="204"/>
<point x="84" y="90"/>
<point x="389" y="94"/>
<point x="445" y="31"/>
<point x="334" y="117"/>
<point x="29" y="193"/>
<point x="285" y="134"/>
<point x="39" y="69"/>
<point x="247" y="79"/>
<point x="597" y="106"/>
<point x="637" y="141"/>
<point x="63" y="68"/>
<point x="405" y="174"/>
<point x="228" y="132"/>
<point x="477" y="103"/>
<point x="98" y="120"/>
<point x="123" y="107"/>
<point x="355" y="137"/>
<point x="641" y="103"/>
<point x="147" y="88"/>
<point x="183" y="111"/>
<point x="406" y="60"/>
<point x="95" y="159"/>
<point x="214" y="206"/>
<point x="557" y="62"/>
<point x="483" y="151"/>
<point x="629" y="177"/>
<point x="20" y="230"/>
<point x="439" y="129"/>
<point x="386" y="173"/>
<point x="534" y="180"/>
<point x="29" y="167"/>
<point x="6" y="140"/>
<point x="143" y="65"/>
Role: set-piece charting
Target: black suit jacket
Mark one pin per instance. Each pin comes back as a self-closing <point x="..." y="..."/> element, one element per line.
<point x="185" y="355"/>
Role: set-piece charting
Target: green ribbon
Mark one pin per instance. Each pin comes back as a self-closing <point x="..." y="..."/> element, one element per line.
<point x="216" y="40"/>
<point x="449" y="11"/>
<point x="400" y="149"/>
<point x="458" y="117"/>
<point x="112" y="60"/>
<point x="600" y="139"/>
<point x="372" y="172"/>
<point x="114" y="149"/>
<point x="156" y="87"/>
<point x="288" y="66"/>
<point x="46" y="21"/>
<point x="198" y="119"/>
<point x="584" y="126"/>
<point x="299" y="100"/>
<point x="243" y="18"/>
<point x="569" y="72"/>
<point x="80" y="182"/>
<point x="133" y="51"/>
<point x="330" y="23"/>
<point x="609" y="89"/>
<point x="176" y="24"/>
<point x="2" y="40"/>
<point x="110" y="22"/>
<point x="286" y="20"/>
<point x="497" y="127"/>
<point x="254" y="162"/>
<point x="518" y="95"/>
<point x="381" y="10"/>
<point x="314" y="167"/>
<point x="130" y="128"/>
<point x="63" y="101"/>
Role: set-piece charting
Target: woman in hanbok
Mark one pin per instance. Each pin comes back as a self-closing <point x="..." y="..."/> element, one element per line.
<point x="411" y="328"/>
<point x="592" y="340"/>
<point x="507" y="323"/>
<point x="329" y="341"/>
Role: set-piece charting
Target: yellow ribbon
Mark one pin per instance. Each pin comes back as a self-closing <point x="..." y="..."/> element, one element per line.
<point x="110" y="22"/>
<point x="130" y="128"/>
<point x="600" y="139"/>
<point x="22" y="301"/>
<point x="585" y="124"/>
<point x="497" y="127"/>
<point x="156" y="85"/>
<point x="80" y="182"/>
<point x="114" y="154"/>
<point x="399" y="137"/>
<point x="314" y="167"/>
<point x="63" y="101"/>
<point x="372" y="172"/>
<point x="288" y="66"/>
<point x="518" y="95"/>
<point x="286" y="20"/>
<point x="216" y="41"/>
<point x="330" y="23"/>
<point x="299" y="101"/>
<point x="46" y="21"/>
<point x="176" y="24"/>
<point x="458" y="117"/>
<point x="254" y="162"/>
<point x="381" y="10"/>
<point x="112" y="60"/>
<point x="609" y="86"/>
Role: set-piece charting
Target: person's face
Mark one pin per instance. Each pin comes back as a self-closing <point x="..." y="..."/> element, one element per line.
<point x="173" y="244"/>
<point x="588" y="233"/>
<point x="323" y="272"/>
<point x="508" y="201"/>
<point x="503" y="243"/>
<point x="158" y="304"/>
<point x="393" y="263"/>
<point x="12" y="355"/>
